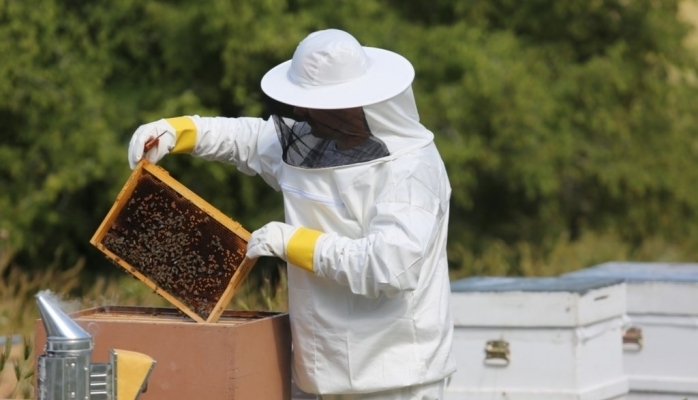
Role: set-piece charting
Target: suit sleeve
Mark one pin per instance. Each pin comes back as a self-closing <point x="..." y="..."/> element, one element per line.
<point x="251" y="144"/>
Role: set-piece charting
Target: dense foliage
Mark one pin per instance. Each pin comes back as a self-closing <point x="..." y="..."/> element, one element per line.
<point x="569" y="129"/>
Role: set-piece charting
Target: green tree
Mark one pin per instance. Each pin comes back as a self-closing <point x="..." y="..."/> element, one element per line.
<point x="561" y="123"/>
<point x="561" y="119"/>
<point x="56" y="148"/>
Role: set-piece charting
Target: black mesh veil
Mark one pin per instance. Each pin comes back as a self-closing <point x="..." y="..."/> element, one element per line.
<point x="328" y="138"/>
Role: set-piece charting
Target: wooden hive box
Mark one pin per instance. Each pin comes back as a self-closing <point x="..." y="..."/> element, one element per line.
<point x="175" y="242"/>
<point x="246" y="355"/>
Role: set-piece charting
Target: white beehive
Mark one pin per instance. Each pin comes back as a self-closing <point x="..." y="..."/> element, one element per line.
<point x="538" y="339"/>
<point x="661" y="339"/>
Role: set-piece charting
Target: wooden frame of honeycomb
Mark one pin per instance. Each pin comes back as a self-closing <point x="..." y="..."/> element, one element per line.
<point x="176" y="243"/>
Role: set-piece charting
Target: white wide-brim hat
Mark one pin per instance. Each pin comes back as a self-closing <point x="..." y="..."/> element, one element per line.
<point x="331" y="70"/>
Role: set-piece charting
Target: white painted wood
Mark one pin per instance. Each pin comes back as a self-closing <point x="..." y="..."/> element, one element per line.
<point x="665" y="298"/>
<point x="663" y="303"/>
<point x="660" y="396"/>
<point x="668" y="359"/>
<point x="563" y="334"/>
<point x="653" y="288"/>
<point x="535" y="302"/>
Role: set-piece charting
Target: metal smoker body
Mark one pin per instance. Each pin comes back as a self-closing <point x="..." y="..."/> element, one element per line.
<point x="66" y="371"/>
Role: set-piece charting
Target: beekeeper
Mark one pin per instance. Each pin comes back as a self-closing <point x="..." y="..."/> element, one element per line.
<point x="366" y="199"/>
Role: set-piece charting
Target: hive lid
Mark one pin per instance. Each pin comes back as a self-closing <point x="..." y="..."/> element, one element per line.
<point x="536" y="302"/>
<point x="572" y="284"/>
<point x="653" y="287"/>
<point x="643" y="272"/>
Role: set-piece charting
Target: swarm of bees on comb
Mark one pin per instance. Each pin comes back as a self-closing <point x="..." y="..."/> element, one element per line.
<point x="175" y="242"/>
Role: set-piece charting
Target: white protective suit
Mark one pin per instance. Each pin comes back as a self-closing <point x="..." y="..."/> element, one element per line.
<point x="375" y="314"/>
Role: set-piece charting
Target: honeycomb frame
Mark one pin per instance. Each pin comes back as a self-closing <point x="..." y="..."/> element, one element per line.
<point x="131" y="244"/>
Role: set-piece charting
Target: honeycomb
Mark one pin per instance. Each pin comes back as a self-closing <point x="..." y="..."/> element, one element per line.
<point x="159" y="234"/>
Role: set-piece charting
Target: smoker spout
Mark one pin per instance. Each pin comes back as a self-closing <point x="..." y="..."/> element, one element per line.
<point x="64" y="370"/>
<point x="62" y="333"/>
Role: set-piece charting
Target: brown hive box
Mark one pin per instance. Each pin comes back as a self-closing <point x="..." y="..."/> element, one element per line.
<point x="175" y="242"/>
<point x="246" y="355"/>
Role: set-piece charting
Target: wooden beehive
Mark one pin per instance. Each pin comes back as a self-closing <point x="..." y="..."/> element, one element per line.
<point x="245" y="355"/>
<point x="175" y="242"/>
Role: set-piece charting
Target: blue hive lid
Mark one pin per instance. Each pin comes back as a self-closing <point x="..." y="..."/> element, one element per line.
<point x="572" y="284"/>
<point x="642" y="272"/>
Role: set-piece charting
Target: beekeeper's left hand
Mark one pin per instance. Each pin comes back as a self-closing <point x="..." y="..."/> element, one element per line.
<point x="270" y="240"/>
<point x="273" y="240"/>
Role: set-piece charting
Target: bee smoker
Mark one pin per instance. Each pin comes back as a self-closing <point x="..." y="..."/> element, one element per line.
<point x="66" y="372"/>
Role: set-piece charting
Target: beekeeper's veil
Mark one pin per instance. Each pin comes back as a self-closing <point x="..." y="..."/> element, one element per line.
<point x="330" y="70"/>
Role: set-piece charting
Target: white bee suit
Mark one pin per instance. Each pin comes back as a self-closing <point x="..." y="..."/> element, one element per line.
<point x="375" y="314"/>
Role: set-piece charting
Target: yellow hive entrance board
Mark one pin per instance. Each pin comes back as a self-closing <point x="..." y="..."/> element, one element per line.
<point x="175" y="242"/>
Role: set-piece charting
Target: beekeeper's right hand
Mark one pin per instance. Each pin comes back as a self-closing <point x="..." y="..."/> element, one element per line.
<point x="174" y="135"/>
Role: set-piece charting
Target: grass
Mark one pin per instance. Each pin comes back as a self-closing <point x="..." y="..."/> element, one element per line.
<point x="17" y="368"/>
